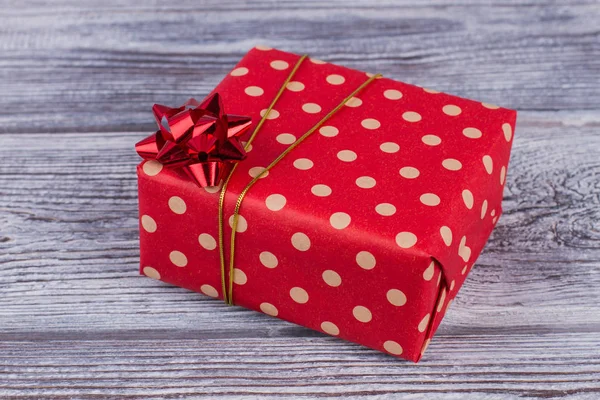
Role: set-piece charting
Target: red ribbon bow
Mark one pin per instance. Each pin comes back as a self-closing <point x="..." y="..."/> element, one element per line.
<point x="199" y="138"/>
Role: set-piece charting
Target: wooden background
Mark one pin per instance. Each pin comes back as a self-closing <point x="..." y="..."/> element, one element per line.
<point x="77" y="80"/>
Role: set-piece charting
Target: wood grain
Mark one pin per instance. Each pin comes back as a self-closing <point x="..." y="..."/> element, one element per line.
<point x="76" y="321"/>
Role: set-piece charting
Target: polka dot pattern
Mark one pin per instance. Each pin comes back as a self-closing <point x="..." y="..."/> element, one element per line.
<point x="269" y="309"/>
<point x="370" y="123"/>
<point x="299" y="295"/>
<point x="268" y="259"/>
<point x="209" y="290"/>
<point x="207" y="241"/>
<point x="177" y="205"/>
<point x="340" y="220"/>
<point x="332" y="278"/>
<point x="241" y="71"/>
<point x="152" y="168"/>
<point x="343" y="231"/>
<point x="149" y="224"/>
<point x="330" y="328"/>
<point x="366" y="260"/>
<point x="275" y="202"/>
<point x="151" y="273"/>
<point x="362" y="314"/>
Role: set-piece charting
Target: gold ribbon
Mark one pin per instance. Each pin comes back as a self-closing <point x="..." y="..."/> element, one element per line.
<point x="228" y="288"/>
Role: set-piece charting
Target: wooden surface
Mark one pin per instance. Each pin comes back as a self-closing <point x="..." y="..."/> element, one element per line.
<point x="77" y="80"/>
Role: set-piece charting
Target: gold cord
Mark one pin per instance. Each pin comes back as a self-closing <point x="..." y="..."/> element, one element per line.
<point x="226" y="182"/>
<point x="257" y="177"/>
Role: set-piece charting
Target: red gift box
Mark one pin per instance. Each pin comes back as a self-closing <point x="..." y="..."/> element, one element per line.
<point x="366" y="230"/>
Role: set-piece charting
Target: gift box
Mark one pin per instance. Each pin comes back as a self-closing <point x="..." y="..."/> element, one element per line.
<point x="365" y="230"/>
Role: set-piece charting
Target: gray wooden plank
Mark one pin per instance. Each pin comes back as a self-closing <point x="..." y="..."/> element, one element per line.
<point x="76" y="82"/>
<point x="72" y="306"/>
<point x="556" y="366"/>
<point x="96" y="66"/>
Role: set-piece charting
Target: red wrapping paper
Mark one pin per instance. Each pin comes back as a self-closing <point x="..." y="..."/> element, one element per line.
<point x="366" y="231"/>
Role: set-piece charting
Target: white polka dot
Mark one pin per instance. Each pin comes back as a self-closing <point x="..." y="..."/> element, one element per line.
<point x="366" y="260"/>
<point x="151" y="273"/>
<point x="354" y="102"/>
<point x="254" y="91"/>
<point x="213" y="189"/>
<point x="242" y="224"/>
<point x="315" y="61"/>
<point x="493" y="213"/>
<point x="330" y="328"/>
<point x="346" y="155"/>
<point x="321" y="190"/>
<point x="269" y="309"/>
<point x="385" y="209"/>
<point x="274" y="114"/>
<point x="311" y="108"/>
<point x="488" y="164"/>
<point x="430" y="199"/>
<point x="507" y="129"/>
<point x="502" y="175"/>
<point x="256" y="171"/>
<point x="275" y="202"/>
<point x="303" y="164"/>
<point x="389" y="147"/>
<point x="423" y="324"/>
<point x="441" y="301"/>
<point x="446" y="234"/>
<point x="148" y="224"/>
<point x="431" y="140"/>
<point x="409" y="172"/>
<point x="428" y="273"/>
<point x="286" y="138"/>
<point x="464" y="270"/>
<point x="370" y="123"/>
<point x="295" y="86"/>
<point x="239" y="277"/>
<point x="490" y="106"/>
<point x="279" y="65"/>
<point x="431" y="91"/>
<point x="451" y="110"/>
<point x="392" y="94"/>
<point x="467" y="198"/>
<point x="268" y="259"/>
<point x="207" y="241"/>
<point x="472" y="133"/>
<point x="362" y="314"/>
<point x="392" y="347"/>
<point x="463" y="250"/>
<point x="339" y="220"/>
<point x="494" y="220"/>
<point x="411" y="116"/>
<point x="365" y="182"/>
<point x="241" y="71"/>
<point x="299" y="295"/>
<point x="452" y="164"/>
<point x="332" y="278"/>
<point x="177" y="205"/>
<point x="263" y="48"/>
<point x="484" y="207"/>
<point x="209" y="290"/>
<point x="396" y="297"/>
<point x="406" y="240"/>
<point x="329" y="131"/>
<point x="300" y="241"/>
<point x="152" y="167"/>
<point x="178" y="258"/>
<point x="335" y="79"/>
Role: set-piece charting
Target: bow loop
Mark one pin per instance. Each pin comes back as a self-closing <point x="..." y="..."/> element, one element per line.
<point x="197" y="137"/>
